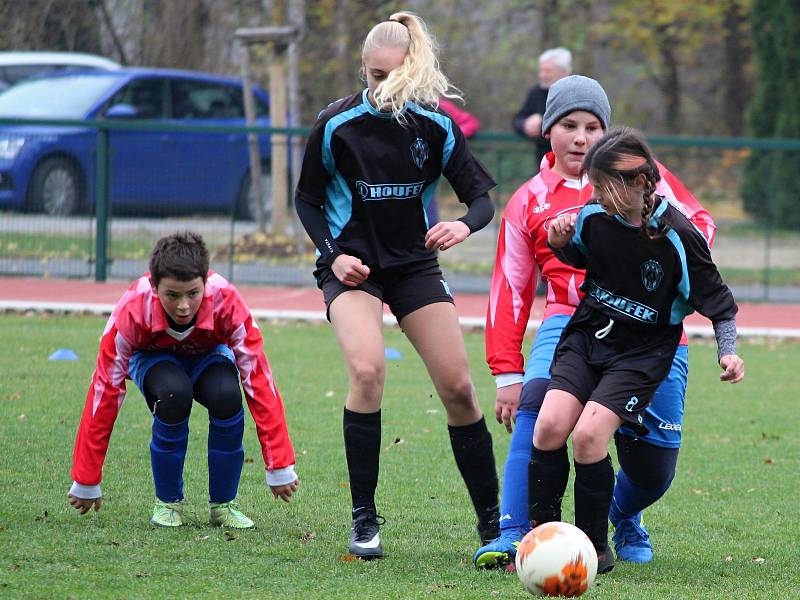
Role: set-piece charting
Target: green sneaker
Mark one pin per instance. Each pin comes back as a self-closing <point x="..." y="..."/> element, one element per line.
<point x="167" y="514"/>
<point x="225" y="514"/>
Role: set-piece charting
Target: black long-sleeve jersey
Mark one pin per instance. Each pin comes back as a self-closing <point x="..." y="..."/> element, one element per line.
<point x="636" y="280"/>
<point x="372" y="177"/>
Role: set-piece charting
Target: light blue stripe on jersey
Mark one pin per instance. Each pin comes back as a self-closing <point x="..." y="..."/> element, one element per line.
<point x="338" y="204"/>
<point x="680" y="306"/>
<point x="338" y="197"/>
<point x="444" y="122"/>
<point x="428" y="196"/>
<point x="586" y="211"/>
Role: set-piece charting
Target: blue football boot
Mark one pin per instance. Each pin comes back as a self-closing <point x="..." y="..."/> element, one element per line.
<point x="499" y="552"/>
<point x="631" y="539"/>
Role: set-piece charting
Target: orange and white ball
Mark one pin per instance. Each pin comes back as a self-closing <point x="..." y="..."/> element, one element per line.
<point x="556" y="559"/>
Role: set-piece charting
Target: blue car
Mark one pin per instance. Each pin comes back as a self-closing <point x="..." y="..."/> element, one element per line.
<point x="51" y="169"/>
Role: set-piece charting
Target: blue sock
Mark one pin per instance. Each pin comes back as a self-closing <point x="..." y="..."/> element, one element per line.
<point x="225" y="457"/>
<point x="630" y="499"/>
<point x="167" y="453"/>
<point x="514" y="499"/>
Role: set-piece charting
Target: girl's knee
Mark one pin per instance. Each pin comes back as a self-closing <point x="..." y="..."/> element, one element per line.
<point x="367" y="375"/>
<point x="457" y="393"/>
<point x="588" y="443"/>
<point x="549" y="432"/>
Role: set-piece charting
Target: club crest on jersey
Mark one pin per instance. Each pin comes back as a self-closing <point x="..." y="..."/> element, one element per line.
<point x="652" y="274"/>
<point x="419" y="152"/>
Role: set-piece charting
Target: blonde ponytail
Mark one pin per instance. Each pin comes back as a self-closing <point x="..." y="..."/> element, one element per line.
<point x="419" y="78"/>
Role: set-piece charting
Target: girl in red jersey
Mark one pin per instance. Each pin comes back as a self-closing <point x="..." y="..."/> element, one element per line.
<point x="182" y="332"/>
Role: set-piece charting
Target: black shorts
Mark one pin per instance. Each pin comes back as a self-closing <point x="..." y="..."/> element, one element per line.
<point x="404" y="289"/>
<point x="620" y="376"/>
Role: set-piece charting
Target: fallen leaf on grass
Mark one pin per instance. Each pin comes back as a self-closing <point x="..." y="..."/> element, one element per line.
<point x="397" y="441"/>
<point x="22" y="417"/>
<point x="759" y="560"/>
<point x="229" y="537"/>
<point x="309" y="536"/>
<point x="202" y="538"/>
<point x="699" y="492"/>
<point x="14" y="396"/>
<point x="769" y="461"/>
<point x="329" y="394"/>
<point x="347" y="558"/>
<point x="728" y="558"/>
<point x="248" y="461"/>
<point x="439" y="586"/>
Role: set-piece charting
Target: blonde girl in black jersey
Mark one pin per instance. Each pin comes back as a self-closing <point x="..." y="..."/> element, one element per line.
<point x="371" y="165"/>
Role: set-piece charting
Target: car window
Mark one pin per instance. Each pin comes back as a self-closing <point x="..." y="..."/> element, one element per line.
<point x="262" y="108"/>
<point x="67" y="97"/>
<point x="205" y="100"/>
<point x="18" y="73"/>
<point x="12" y="74"/>
<point x="145" y="95"/>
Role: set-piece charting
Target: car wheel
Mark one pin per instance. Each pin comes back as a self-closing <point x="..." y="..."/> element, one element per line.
<point x="56" y="188"/>
<point x="246" y="204"/>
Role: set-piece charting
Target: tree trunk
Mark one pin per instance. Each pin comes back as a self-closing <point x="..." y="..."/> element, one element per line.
<point x="737" y="54"/>
<point x="670" y="80"/>
<point x="551" y="25"/>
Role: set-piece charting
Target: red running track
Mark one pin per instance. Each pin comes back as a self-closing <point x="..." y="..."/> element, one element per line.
<point x="17" y="291"/>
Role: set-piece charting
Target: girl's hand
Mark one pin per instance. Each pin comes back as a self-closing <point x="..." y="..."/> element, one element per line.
<point x="349" y="270"/>
<point x="83" y="505"/>
<point x="284" y="492"/>
<point x="733" y="367"/>
<point x="561" y="230"/>
<point x="446" y="234"/>
<point x="506" y="404"/>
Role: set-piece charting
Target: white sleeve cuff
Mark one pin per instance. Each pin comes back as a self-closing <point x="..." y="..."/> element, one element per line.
<point x="283" y="476"/>
<point x="86" y="492"/>
<point x="506" y="379"/>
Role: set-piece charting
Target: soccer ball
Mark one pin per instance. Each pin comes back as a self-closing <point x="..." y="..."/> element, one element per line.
<point x="556" y="559"/>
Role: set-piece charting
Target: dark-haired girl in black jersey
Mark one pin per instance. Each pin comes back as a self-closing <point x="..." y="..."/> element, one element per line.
<point x="647" y="267"/>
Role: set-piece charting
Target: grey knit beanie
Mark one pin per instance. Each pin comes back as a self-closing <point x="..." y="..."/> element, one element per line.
<point x="572" y="93"/>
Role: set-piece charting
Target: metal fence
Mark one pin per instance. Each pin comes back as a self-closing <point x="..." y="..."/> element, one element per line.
<point x="98" y="194"/>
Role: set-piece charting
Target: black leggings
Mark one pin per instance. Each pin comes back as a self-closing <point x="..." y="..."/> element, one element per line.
<point x="649" y="466"/>
<point x="168" y="391"/>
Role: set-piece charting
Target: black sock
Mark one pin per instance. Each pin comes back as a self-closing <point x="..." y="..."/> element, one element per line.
<point x="362" y="445"/>
<point x="472" y="448"/>
<point x="594" y="486"/>
<point x="548" y="473"/>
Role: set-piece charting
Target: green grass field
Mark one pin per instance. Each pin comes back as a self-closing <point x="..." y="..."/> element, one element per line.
<point x="728" y="528"/>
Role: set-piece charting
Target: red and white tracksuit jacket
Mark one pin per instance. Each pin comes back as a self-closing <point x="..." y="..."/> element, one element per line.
<point x="139" y="323"/>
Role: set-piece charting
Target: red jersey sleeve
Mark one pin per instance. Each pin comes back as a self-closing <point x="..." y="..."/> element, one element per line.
<point x="673" y="190"/>
<point x="103" y="401"/>
<point x="512" y="288"/>
<point x="466" y="121"/>
<point x="263" y="399"/>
